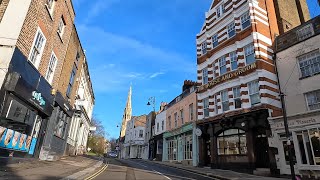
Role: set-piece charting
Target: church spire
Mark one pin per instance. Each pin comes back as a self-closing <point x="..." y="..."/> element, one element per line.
<point x="126" y="114"/>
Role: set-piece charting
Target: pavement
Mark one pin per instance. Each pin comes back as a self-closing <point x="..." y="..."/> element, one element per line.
<point x="77" y="167"/>
<point x="134" y="169"/>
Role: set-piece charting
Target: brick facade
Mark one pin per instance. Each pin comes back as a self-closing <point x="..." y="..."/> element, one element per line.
<point x="3" y="7"/>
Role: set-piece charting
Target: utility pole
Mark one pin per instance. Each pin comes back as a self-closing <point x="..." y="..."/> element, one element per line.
<point x="289" y="138"/>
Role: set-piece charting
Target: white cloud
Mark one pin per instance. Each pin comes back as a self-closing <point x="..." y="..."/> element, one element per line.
<point x="155" y="74"/>
<point x="98" y="6"/>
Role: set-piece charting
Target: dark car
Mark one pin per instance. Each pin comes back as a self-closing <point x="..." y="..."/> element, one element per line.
<point x="111" y="154"/>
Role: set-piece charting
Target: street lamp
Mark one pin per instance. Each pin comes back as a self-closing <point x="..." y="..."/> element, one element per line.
<point x="152" y="101"/>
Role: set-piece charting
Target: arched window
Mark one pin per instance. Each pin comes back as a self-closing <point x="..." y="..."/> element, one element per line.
<point x="232" y="142"/>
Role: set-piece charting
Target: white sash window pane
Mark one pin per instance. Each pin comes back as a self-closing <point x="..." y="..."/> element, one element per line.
<point x="254" y="92"/>
<point x="233" y="59"/>
<point x="205" y="76"/>
<point x="225" y="100"/>
<point x="249" y="54"/>
<point x="206" y="107"/>
<point x="215" y="42"/>
<point x="309" y="64"/>
<point x="223" y="65"/>
<point x="231" y="30"/>
<point x="245" y="20"/>
<point x="204" y="47"/>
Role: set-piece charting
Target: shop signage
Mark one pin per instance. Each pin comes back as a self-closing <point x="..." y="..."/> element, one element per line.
<point x="198" y="132"/>
<point x="227" y="76"/>
<point x="296" y="122"/>
<point x="38" y="97"/>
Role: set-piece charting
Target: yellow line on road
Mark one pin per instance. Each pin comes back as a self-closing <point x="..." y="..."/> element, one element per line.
<point x="97" y="173"/>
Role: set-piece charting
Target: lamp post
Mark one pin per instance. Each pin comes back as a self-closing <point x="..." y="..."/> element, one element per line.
<point x="152" y="101"/>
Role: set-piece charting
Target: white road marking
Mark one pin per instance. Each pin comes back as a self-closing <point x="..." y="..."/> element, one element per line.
<point x="162" y="174"/>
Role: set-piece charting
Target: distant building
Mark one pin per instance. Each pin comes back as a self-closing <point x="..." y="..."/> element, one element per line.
<point x="159" y="129"/>
<point x="148" y="149"/>
<point x="298" y="64"/>
<point x="134" y="138"/>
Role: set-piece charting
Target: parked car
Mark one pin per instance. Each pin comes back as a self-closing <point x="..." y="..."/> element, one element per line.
<point x="111" y="154"/>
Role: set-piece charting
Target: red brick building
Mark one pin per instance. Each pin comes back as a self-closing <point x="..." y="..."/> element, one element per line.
<point x="239" y="88"/>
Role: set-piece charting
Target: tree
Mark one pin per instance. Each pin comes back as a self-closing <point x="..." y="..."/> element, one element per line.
<point x="100" y="131"/>
<point x="97" y="141"/>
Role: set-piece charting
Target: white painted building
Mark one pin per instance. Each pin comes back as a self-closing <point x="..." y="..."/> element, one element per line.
<point x="134" y="137"/>
<point x="298" y="64"/>
<point x="81" y="121"/>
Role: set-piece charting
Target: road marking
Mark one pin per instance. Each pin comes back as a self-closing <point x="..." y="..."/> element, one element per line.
<point x="97" y="173"/>
<point x="162" y="174"/>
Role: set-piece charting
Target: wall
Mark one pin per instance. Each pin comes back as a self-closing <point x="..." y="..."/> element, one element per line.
<point x="159" y="118"/>
<point x="288" y="68"/>
<point x="182" y="104"/>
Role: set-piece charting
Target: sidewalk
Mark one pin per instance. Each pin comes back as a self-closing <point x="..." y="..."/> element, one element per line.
<point x="78" y="166"/>
<point x="217" y="173"/>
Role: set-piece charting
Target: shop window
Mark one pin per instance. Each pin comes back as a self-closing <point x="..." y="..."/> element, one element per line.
<point x="231" y="29"/>
<point x="223" y="65"/>
<point x="233" y="59"/>
<point x="245" y="20"/>
<point x="286" y="148"/>
<point x="313" y="100"/>
<point x="309" y="146"/>
<point x="206" y="107"/>
<point x="215" y="41"/>
<point x="254" y="92"/>
<point x="236" y="97"/>
<point x="187" y="150"/>
<point x="37" y="48"/>
<point x="205" y="76"/>
<point x="309" y="64"/>
<point x="225" y="100"/>
<point x="232" y="142"/>
<point x="172" y="150"/>
<point x="249" y="54"/>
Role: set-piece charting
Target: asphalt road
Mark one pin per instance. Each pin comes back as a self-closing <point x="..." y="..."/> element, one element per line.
<point x="139" y="169"/>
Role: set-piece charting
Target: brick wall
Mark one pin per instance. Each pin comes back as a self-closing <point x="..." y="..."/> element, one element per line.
<point x="3" y="7"/>
<point x="73" y="48"/>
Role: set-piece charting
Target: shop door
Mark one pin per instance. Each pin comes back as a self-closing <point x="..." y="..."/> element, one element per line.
<point x="261" y="151"/>
<point x="207" y="152"/>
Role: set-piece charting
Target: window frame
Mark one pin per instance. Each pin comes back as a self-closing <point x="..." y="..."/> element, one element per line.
<point x="317" y="100"/>
<point x="240" y="133"/>
<point x="223" y="65"/>
<point x="175" y="119"/>
<point x="191" y="112"/>
<point x="233" y="60"/>
<point x="225" y="100"/>
<point x="311" y="64"/>
<point x="169" y="122"/>
<point x="204" y="47"/>
<point x="215" y="40"/>
<point x="301" y="33"/>
<point x="249" y="52"/>
<point x="52" y="57"/>
<point x="247" y="18"/>
<point x="220" y="10"/>
<point x="187" y="147"/>
<point x="206" y="112"/>
<point x="181" y="116"/>
<point x="251" y="94"/>
<point x="38" y="57"/>
<point x="235" y="97"/>
<point x="231" y="28"/>
<point x="61" y="27"/>
<point x="205" y="75"/>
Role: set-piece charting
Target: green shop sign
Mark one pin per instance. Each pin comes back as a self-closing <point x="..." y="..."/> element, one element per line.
<point x="178" y="131"/>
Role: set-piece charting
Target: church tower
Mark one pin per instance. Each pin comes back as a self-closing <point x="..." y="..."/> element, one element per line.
<point x="126" y="114"/>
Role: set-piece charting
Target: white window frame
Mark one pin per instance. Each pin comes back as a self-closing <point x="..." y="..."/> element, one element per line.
<point x="181" y="116"/>
<point x="61" y="27"/>
<point x="51" y="67"/>
<point x="253" y="87"/>
<point x="225" y="100"/>
<point x="50" y="5"/>
<point x="162" y="125"/>
<point x="37" y="60"/>
<point x="315" y="100"/>
<point x="305" y="32"/>
<point x="140" y="133"/>
<point x="175" y="119"/>
<point x="244" y="18"/>
<point x="249" y="51"/>
<point x="204" y="75"/>
<point x="231" y="27"/>
<point x="215" y="40"/>
<point x="309" y="64"/>
<point x="187" y="147"/>
<point x="169" y="121"/>
<point x="206" y="107"/>
<point x="223" y="65"/>
<point x="191" y="112"/>
<point x="233" y="60"/>
<point x="220" y="10"/>
<point x="236" y="96"/>
<point x="204" y="47"/>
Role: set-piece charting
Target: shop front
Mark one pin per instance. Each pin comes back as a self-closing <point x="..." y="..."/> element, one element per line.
<point x="55" y="140"/>
<point x="26" y="105"/>
<point x="158" y="147"/>
<point x="178" y="145"/>
<point x="237" y="142"/>
<point x="304" y="143"/>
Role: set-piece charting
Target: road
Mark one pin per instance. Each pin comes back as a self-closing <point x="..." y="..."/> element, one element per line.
<point x="139" y="169"/>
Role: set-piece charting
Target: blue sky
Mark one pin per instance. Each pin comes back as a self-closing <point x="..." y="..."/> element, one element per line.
<point x="150" y="44"/>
